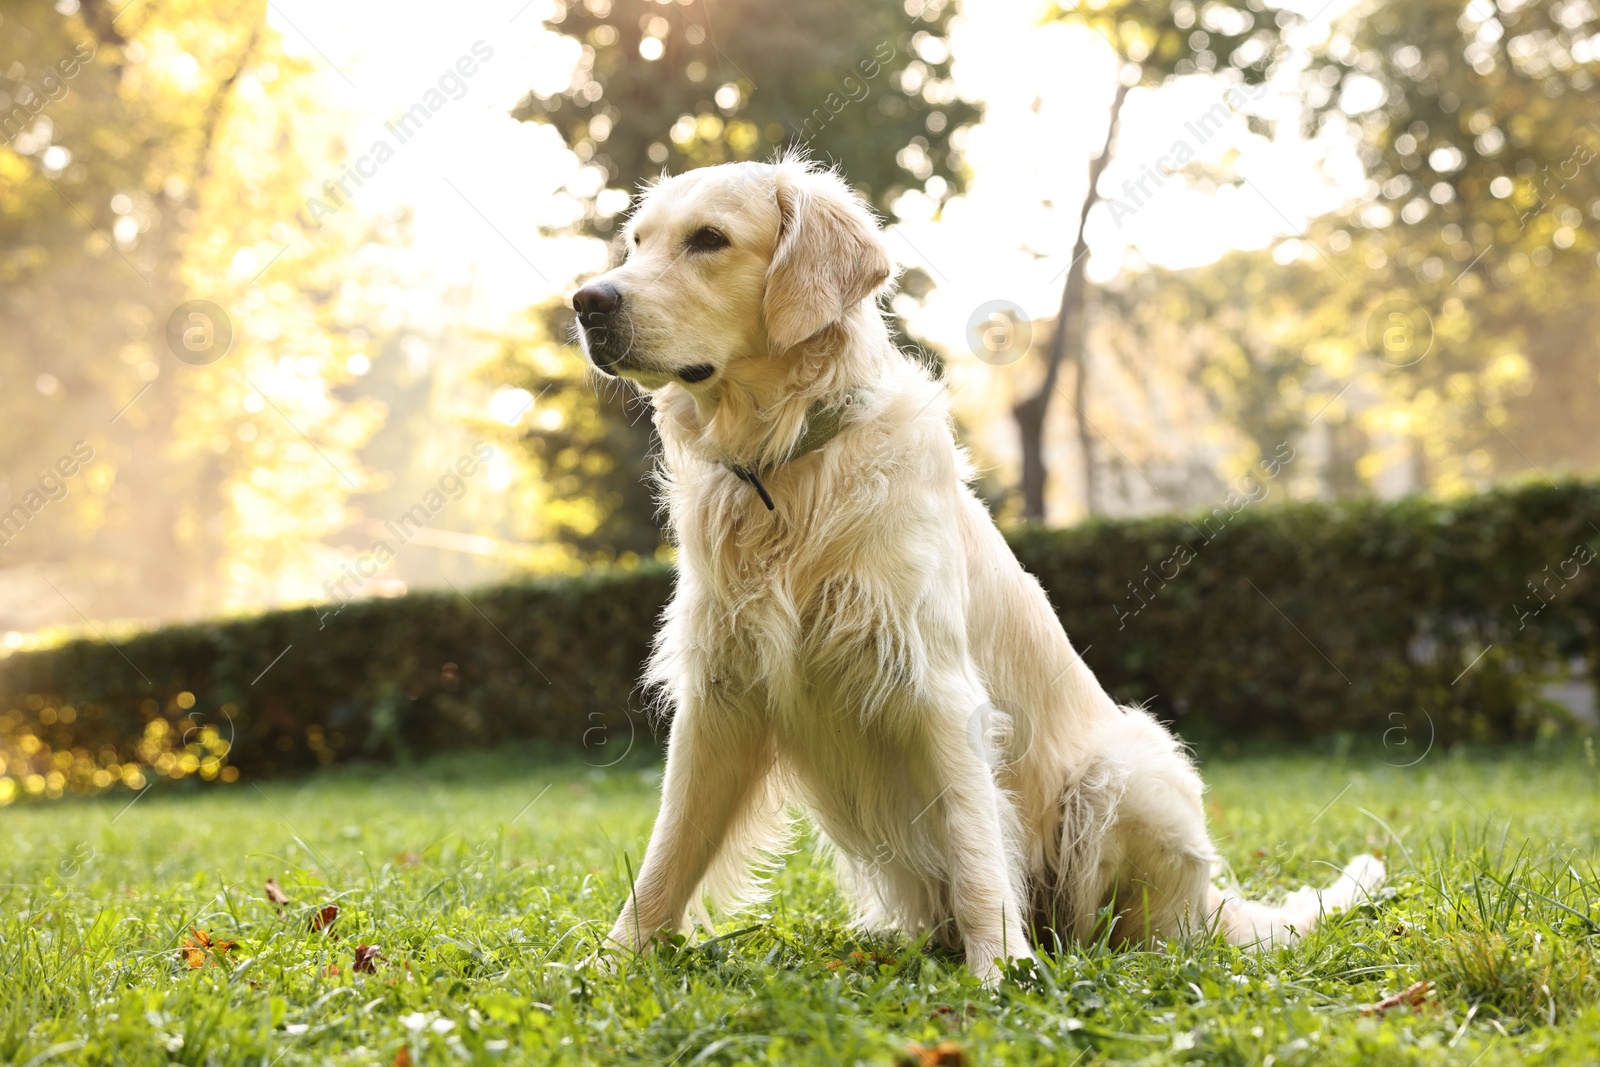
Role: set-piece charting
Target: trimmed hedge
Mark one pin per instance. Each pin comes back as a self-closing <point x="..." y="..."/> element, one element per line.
<point x="1286" y="621"/>
<point x="1309" y="619"/>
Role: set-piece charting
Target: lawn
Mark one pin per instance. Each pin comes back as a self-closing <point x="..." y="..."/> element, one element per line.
<point x="470" y="892"/>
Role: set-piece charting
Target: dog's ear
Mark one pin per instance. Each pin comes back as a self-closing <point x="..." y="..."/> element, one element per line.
<point x="829" y="256"/>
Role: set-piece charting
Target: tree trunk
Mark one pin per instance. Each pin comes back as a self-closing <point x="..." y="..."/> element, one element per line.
<point x="1066" y="341"/>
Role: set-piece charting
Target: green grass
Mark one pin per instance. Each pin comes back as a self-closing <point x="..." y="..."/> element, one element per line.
<point x="486" y="879"/>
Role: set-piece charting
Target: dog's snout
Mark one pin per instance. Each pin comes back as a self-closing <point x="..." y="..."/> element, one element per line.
<point x="596" y="299"/>
<point x="599" y="305"/>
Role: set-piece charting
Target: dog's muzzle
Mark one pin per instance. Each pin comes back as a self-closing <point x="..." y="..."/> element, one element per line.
<point x="600" y="317"/>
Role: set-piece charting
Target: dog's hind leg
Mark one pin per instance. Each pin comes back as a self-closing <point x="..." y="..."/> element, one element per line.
<point x="1133" y="836"/>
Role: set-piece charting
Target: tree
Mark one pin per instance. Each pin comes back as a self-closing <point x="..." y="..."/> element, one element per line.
<point x="149" y="162"/>
<point x="1264" y="335"/>
<point x="672" y="87"/>
<point x="1476" y="124"/>
<point x="1157" y="41"/>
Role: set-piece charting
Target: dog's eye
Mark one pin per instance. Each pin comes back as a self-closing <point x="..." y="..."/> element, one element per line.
<point x="707" y="239"/>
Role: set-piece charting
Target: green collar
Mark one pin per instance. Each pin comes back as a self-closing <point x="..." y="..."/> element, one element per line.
<point x="824" y="420"/>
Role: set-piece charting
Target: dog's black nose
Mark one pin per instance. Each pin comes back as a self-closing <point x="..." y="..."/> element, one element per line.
<point x="596" y="299"/>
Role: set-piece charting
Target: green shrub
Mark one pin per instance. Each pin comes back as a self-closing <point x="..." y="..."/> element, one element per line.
<point x="1299" y="621"/>
<point x="1410" y="621"/>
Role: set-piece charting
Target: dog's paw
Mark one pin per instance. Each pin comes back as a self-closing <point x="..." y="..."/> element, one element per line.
<point x="625" y="939"/>
<point x="603" y="962"/>
<point x="988" y="964"/>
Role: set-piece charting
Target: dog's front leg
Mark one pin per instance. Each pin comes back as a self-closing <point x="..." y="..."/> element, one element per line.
<point x="716" y="756"/>
<point x="985" y="901"/>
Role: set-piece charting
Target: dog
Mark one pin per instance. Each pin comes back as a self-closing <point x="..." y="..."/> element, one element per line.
<point x="850" y="633"/>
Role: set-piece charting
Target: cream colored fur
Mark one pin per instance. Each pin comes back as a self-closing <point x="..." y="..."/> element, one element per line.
<point x="871" y="652"/>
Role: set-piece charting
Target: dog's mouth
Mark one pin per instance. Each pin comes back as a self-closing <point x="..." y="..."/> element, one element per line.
<point x="605" y="345"/>
<point x="617" y="360"/>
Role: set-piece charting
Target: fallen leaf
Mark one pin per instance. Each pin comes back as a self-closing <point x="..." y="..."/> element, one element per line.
<point x="407" y="859"/>
<point x="367" y="957"/>
<point x="1411" y="997"/>
<point x="331" y="970"/>
<point x="324" y="917"/>
<point x="200" y="950"/>
<point x="967" y="1011"/>
<point x="276" y="895"/>
<point x="944" y="1054"/>
<point x="402" y="1058"/>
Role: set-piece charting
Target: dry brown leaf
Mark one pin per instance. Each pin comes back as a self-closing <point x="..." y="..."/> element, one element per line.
<point x="1413" y="997"/>
<point x="944" y="1054"/>
<point x="324" y="917"/>
<point x="276" y="894"/>
<point x="367" y="957"/>
<point x="200" y="950"/>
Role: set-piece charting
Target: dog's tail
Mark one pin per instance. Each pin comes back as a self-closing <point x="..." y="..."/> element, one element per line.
<point x="1252" y="924"/>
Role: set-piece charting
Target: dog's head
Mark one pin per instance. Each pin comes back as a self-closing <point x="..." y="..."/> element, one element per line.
<point x="741" y="261"/>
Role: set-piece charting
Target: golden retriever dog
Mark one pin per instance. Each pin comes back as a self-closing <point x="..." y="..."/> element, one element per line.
<point x="851" y="635"/>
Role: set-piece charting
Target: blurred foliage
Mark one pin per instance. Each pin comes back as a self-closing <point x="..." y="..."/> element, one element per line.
<point x="1478" y="126"/>
<point x="1155" y="41"/>
<point x="670" y="87"/>
<point x="1274" y="622"/>
<point x="171" y="165"/>
<point x="1477" y="129"/>
<point x="1164" y="39"/>
<point x="587" y="443"/>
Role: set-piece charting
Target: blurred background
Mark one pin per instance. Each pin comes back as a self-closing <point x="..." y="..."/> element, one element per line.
<point x="282" y="284"/>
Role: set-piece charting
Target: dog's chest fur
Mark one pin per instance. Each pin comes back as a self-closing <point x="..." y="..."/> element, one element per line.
<point x="827" y="599"/>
